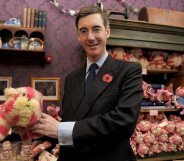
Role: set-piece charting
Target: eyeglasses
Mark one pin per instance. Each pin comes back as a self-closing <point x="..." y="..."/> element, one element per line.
<point x="85" y="32"/>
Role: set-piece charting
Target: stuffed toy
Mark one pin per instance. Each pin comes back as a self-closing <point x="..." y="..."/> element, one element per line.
<point x="54" y="112"/>
<point x="143" y="149"/>
<point x="148" y="91"/>
<point x="137" y="52"/>
<point x="166" y="96"/>
<point x="143" y="61"/>
<point x="130" y="57"/>
<point x="149" y="138"/>
<point x="180" y="96"/>
<point x="174" y="61"/>
<point x="39" y="148"/>
<point x="157" y="60"/>
<point x="22" y="108"/>
<point x="118" y="53"/>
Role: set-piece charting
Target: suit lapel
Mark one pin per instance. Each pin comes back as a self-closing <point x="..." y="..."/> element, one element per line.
<point x="78" y="88"/>
<point x="96" y="88"/>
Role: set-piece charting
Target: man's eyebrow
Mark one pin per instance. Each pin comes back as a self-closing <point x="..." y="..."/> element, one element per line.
<point x="97" y="26"/>
<point x="82" y="28"/>
<point x="92" y="27"/>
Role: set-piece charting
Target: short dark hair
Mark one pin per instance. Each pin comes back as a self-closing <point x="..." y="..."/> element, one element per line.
<point x="91" y="9"/>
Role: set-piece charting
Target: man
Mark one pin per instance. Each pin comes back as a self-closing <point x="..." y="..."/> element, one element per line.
<point x="99" y="112"/>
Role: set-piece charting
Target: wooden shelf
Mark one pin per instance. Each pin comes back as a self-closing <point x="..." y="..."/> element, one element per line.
<point x="146" y="71"/>
<point x="17" y="28"/>
<point x="18" y="57"/>
<point x="141" y="34"/>
<point x="159" y="109"/>
<point x="167" y="156"/>
<point x="156" y="71"/>
<point x="26" y="58"/>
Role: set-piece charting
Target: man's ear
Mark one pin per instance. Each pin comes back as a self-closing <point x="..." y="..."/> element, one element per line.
<point x="78" y="37"/>
<point x="108" y="31"/>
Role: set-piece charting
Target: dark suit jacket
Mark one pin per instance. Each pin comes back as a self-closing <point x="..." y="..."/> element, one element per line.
<point x="106" y="116"/>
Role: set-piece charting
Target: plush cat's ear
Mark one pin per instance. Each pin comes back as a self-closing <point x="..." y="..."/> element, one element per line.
<point x="9" y="92"/>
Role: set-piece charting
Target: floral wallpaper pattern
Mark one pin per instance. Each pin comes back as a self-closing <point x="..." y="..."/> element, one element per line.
<point x="60" y="37"/>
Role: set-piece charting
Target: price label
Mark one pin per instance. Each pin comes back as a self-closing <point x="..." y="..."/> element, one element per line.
<point x="144" y="71"/>
<point x="163" y="124"/>
<point x="153" y="112"/>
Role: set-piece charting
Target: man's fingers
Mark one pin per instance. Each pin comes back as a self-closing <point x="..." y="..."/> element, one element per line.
<point x="44" y="115"/>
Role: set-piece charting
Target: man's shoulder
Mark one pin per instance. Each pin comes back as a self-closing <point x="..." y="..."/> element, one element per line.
<point x="76" y="71"/>
<point x="127" y="63"/>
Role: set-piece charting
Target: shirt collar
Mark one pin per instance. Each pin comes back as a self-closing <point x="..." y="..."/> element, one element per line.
<point x="99" y="62"/>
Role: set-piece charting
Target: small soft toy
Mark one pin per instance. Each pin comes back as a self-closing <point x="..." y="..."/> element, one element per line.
<point x="137" y="52"/>
<point x="142" y="149"/>
<point x="175" y="139"/>
<point x="54" y="112"/>
<point x="143" y="126"/>
<point x="164" y="95"/>
<point x="174" y="61"/>
<point x="149" y="138"/>
<point x="138" y="137"/>
<point x="157" y="60"/>
<point x="154" y="148"/>
<point x="118" y="53"/>
<point x="163" y="138"/>
<point x="143" y="61"/>
<point x="156" y="129"/>
<point x="180" y="96"/>
<point x="39" y="148"/>
<point x="130" y="57"/>
<point x="149" y="92"/>
<point x="21" y="109"/>
<point x="180" y="128"/>
<point x="170" y="127"/>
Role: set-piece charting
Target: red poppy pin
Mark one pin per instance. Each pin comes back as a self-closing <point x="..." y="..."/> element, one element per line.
<point x="107" y="78"/>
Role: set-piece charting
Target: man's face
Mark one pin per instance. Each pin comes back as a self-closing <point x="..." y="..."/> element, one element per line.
<point x="92" y="35"/>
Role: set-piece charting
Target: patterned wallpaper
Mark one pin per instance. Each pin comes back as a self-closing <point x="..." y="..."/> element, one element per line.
<point x="61" y="37"/>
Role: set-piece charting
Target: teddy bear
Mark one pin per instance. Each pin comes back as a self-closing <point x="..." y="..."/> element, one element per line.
<point x="22" y="108"/>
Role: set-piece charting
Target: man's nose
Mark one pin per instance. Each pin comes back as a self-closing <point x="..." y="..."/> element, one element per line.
<point x="91" y="35"/>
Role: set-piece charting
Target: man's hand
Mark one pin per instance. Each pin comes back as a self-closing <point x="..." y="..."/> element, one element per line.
<point x="46" y="125"/>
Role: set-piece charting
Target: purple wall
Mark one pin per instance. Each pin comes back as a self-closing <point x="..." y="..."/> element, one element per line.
<point x="61" y="38"/>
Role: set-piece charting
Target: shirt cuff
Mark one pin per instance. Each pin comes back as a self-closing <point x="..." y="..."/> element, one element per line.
<point x="65" y="131"/>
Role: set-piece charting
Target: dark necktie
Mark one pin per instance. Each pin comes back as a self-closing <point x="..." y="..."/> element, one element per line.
<point x="91" y="76"/>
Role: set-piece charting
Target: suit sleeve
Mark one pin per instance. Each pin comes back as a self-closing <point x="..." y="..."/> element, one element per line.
<point x="120" y="121"/>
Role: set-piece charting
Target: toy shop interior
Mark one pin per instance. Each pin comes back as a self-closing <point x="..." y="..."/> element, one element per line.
<point x="39" y="48"/>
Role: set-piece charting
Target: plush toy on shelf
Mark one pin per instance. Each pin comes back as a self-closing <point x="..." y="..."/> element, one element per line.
<point x="157" y="60"/>
<point x="22" y="108"/>
<point x="180" y="96"/>
<point x="174" y="61"/>
<point x="118" y="53"/>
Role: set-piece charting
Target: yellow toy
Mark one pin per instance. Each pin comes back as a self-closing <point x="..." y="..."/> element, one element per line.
<point x="22" y="108"/>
